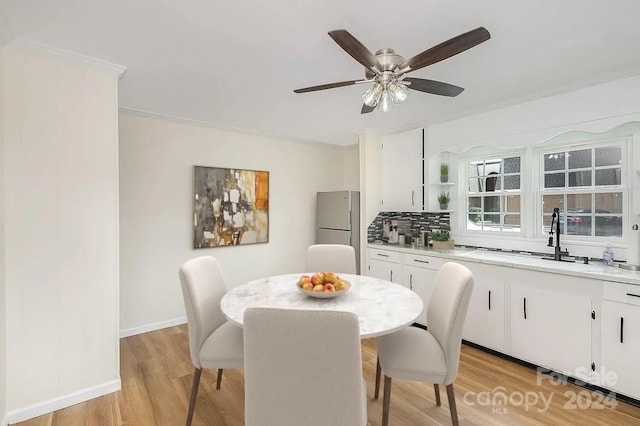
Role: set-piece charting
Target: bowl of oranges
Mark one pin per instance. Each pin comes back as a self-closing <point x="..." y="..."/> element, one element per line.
<point x="323" y="285"/>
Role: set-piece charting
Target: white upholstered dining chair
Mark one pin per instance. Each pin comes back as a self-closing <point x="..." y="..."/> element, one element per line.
<point x="213" y="341"/>
<point x="430" y="356"/>
<point x="338" y="258"/>
<point x="303" y="367"/>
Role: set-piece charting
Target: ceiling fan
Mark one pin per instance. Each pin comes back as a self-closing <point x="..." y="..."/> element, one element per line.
<point x="388" y="70"/>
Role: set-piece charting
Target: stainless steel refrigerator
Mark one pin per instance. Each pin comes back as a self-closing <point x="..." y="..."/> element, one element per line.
<point x="338" y="219"/>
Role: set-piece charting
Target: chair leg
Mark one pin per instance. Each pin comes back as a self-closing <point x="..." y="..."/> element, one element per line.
<point x="436" y="388"/>
<point x="219" y="380"/>
<point x="452" y="405"/>
<point x="385" y="401"/>
<point x="378" y="370"/>
<point x="194" y="394"/>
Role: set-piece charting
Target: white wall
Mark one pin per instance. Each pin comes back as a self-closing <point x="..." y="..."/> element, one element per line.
<point x="157" y="156"/>
<point x="594" y="109"/>
<point x="370" y="185"/>
<point x="351" y="164"/>
<point x="60" y="207"/>
<point x="3" y="289"/>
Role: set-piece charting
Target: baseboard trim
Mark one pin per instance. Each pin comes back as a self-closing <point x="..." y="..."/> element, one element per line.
<point x="54" y="404"/>
<point x="152" y="327"/>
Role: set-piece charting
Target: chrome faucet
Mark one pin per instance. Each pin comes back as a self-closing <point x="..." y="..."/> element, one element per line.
<point x="555" y="219"/>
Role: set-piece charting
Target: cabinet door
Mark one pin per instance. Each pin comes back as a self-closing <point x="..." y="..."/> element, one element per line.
<point x="551" y="329"/>
<point x="620" y="347"/>
<point x="402" y="171"/>
<point x="389" y="271"/>
<point x="485" y="320"/>
<point x="420" y="280"/>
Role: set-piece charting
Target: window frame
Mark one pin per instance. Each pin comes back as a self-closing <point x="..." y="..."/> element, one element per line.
<point x="466" y="194"/>
<point x="593" y="190"/>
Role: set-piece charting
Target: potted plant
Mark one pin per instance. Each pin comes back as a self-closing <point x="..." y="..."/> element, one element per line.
<point x="442" y="240"/>
<point x="443" y="199"/>
<point x="444" y="172"/>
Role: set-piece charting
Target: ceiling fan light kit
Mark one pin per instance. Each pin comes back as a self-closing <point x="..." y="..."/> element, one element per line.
<point x="383" y="96"/>
<point x="387" y="70"/>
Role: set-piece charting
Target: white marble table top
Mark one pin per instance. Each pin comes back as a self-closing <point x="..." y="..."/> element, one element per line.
<point x="382" y="306"/>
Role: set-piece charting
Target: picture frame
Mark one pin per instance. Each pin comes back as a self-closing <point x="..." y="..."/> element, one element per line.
<point x="230" y="207"/>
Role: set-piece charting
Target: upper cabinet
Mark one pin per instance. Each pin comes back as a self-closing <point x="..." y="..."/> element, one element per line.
<point x="402" y="170"/>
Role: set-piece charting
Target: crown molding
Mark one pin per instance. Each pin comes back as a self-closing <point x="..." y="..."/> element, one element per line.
<point x="211" y="125"/>
<point x="6" y="35"/>
<point x="98" y="64"/>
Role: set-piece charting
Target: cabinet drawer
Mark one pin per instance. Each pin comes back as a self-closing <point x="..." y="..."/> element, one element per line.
<point x="618" y="292"/>
<point x="426" y="262"/>
<point x="388" y="255"/>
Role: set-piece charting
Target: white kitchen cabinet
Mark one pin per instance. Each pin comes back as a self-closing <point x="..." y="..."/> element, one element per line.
<point x="402" y="166"/>
<point x="621" y="339"/>
<point x="420" y="276"/>
<point x="548" y="326"/>
<point x="385" y="264"/>
<point x="485" y="322"/>
<point x="567" y="323"/>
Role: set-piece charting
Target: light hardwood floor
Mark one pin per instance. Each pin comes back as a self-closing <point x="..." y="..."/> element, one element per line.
<point x="156" y="376"/>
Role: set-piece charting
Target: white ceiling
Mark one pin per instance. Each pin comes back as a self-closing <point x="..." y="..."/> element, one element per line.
<point x="236" y="63"/>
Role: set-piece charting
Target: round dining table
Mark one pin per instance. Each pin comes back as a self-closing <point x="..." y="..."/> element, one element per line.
<point x="382" y="307"/>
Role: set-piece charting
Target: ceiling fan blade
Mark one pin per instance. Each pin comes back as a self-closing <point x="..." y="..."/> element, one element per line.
<point x="366" y="109"/>
<point x="447" y="49"/>
<point x="353" y="47"/>
<point x="326" y="86"/>
<point x="433" y="87"/>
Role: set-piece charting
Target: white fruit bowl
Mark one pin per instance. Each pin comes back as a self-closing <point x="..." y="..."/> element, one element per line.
<point x="325" y="294"/>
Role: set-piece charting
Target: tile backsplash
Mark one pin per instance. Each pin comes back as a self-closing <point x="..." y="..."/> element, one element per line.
<point x="413" y="222"/>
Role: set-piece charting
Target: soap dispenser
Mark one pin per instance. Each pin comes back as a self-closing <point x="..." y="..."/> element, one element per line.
<point x="607" y="255"/>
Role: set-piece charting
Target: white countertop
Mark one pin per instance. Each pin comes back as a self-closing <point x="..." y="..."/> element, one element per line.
<point x="595" y="269"/>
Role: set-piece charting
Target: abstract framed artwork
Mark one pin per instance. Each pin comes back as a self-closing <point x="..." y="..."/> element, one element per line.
<point x="230" y="207"/>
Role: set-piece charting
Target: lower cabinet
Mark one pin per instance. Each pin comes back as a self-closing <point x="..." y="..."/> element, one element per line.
<point x="420" y="276"/>
<point x="551" y="329"/>
<point x="385" y="264"/>
<point x="621" y="339"/>
<point x="485" y="322"/>
<point x="581" y="327"/>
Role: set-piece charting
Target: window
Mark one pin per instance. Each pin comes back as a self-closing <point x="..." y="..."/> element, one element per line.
<point x="585" y="183"/>
<point x="493" y="194"/>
